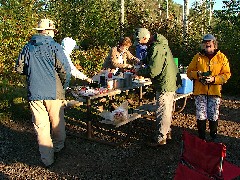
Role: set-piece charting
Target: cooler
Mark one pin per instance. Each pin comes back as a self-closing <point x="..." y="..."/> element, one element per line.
<point x="187" y="85"/>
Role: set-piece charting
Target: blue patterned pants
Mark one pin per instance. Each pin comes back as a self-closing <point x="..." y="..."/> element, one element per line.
<point x="207" y="107"/>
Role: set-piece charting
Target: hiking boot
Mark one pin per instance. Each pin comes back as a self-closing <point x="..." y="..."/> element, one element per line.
<point x="213" y="129"/>
<point x="163" y="142"/>
<point x="155" y="144"/>
<point x="169" y="135"/>
<point x="60" y="152"/>
<point x="46" y="166"/>
<point x="201" y="125"/>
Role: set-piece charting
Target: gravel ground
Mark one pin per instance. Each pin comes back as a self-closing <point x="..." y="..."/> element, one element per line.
<point x="83" y="159"/>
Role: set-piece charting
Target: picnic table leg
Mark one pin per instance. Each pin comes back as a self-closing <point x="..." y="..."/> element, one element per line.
<point x="90" y="135"/>
<point x="130" y="101"/>
<point x="111" y="102"/>
<point x="89" y="123"/>
<point x="140" y="95"/>
<point x="183" y="106"/>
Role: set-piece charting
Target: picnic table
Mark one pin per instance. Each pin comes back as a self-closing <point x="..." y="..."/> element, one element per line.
<point x="137" y="113"/>
<point x="88" y="99"/>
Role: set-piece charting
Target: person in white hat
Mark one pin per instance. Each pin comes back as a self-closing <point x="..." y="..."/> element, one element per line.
<point x="69" y="45"/>
<point x="46" y="27"/>
<point x="48" y="73"/>
<point x="210" y="70"/>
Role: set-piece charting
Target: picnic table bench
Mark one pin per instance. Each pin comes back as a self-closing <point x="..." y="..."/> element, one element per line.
<point x="148" y="110"/>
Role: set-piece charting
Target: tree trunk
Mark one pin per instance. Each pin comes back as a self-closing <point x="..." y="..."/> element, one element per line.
<point x="185" y="19"/>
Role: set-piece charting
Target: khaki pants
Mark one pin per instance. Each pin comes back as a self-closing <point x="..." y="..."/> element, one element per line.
<point x="164" y="114"/>
<point x="49" y="125"/>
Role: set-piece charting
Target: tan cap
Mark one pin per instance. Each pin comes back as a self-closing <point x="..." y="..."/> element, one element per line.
<point x="140" y="33"/>
<point x="45" y="24"/>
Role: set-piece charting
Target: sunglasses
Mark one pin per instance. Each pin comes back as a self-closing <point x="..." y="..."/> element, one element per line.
<point x="205" y="41"/>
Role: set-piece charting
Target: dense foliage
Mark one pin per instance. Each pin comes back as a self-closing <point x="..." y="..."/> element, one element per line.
<point x="95" y="24"/>
<point x="227" y="27"/>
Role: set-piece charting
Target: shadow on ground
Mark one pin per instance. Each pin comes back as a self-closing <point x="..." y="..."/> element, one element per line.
<point x="83" y="159"/>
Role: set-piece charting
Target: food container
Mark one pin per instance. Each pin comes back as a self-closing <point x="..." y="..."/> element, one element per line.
<point x="128" y="79"/>
<point x="118" y="83"/>
<point x="103" y="80"/>
<point x="110" y="84"/>
<point x="115" y="84"/>
<point x="94" y="84"/>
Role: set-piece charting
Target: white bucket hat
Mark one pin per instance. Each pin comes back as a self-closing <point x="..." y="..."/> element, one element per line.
<point x="45" y="24"/>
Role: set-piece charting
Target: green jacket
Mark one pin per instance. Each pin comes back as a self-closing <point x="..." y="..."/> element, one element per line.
<point x="161" y="67"/>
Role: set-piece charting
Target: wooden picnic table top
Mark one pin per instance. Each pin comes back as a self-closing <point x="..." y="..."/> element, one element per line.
<point x="112" y="92"/>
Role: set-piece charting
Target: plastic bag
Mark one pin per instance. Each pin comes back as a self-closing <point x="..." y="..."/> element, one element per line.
<point x="120" y="114"/>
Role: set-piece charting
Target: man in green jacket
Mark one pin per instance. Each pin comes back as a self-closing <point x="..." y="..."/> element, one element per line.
<point x="162" y="70"/>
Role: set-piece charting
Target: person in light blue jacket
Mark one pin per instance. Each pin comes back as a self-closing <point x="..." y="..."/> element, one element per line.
<point x="44" y="63"/>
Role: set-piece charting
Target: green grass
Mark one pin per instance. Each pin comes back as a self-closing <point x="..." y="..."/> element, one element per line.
<point x="13" y="103"/>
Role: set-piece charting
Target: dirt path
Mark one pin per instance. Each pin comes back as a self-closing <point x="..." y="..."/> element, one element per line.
<point x="19" y="157"/>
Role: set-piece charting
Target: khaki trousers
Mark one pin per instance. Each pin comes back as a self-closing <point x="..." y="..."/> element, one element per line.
<point x="49" y="125"/>
<point x="164" y="114"/>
